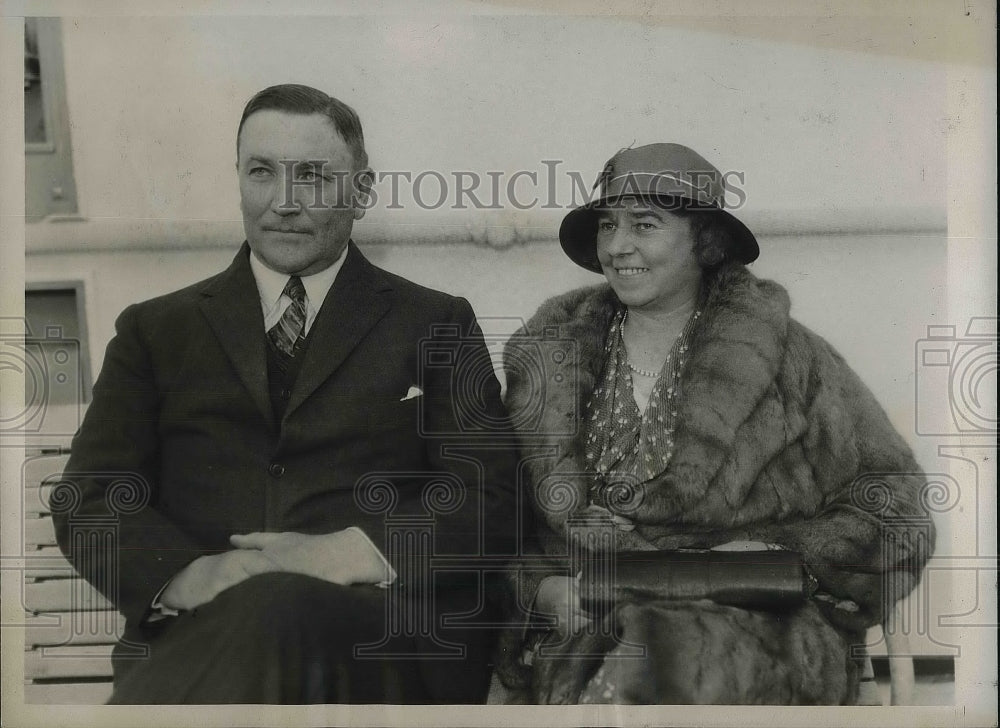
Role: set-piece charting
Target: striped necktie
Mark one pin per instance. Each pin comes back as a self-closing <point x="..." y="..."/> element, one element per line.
<point x="290" y="329"/>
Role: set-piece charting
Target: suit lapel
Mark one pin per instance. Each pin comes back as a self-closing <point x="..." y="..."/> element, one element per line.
<point x="356" y="301"/>
<point x="232" y="306"/>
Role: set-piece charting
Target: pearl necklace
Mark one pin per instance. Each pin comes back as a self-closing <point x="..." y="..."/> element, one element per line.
<point x="633" y="367"/>
<point x="645" y="372"/>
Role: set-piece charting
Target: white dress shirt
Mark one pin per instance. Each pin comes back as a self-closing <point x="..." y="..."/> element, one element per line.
<point x="271" y="284"/>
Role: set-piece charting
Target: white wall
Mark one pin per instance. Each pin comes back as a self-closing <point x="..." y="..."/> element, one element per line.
<point x="154" y="104"/>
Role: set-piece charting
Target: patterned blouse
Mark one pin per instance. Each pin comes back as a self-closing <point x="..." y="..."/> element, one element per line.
<point x="624" y="445"/>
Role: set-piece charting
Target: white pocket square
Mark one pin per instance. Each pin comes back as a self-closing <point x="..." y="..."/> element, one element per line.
<point x="412" y="393"/>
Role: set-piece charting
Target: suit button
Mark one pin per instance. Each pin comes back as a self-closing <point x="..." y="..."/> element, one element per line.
<point x="286" y="393"/>
<point x="276" y="470"/>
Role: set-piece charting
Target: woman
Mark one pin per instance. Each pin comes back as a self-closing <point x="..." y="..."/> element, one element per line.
<point x="735" y="425"/>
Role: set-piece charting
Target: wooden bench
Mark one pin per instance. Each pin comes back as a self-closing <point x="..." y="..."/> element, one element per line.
<point x="71" y="629"/>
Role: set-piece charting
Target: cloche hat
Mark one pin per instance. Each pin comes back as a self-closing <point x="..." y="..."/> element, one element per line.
<point x="671" y="173"/>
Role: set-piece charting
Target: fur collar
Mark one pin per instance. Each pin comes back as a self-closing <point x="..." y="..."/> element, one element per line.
<point x="734" y="357"/>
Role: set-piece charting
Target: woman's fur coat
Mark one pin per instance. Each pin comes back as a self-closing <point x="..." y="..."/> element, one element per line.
<point x="777" y="440"/>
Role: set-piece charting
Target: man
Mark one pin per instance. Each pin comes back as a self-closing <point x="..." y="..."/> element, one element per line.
<point x="250" y="412"/>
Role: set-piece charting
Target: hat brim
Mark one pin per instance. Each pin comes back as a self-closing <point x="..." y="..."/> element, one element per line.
<point x="578" y="231"/>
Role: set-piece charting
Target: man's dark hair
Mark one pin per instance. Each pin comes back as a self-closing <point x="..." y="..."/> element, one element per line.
<point x="295" y="98"/>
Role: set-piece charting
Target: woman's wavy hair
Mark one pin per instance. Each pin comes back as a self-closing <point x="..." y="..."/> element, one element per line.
<point x="714" y="242"/>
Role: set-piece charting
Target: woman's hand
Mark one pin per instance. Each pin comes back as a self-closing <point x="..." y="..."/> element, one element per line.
<point x="560" y="596"/>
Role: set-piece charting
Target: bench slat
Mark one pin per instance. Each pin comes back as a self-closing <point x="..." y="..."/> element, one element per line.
<point x="36" y="501"/>
<point x="53" y="665"/>
<point x="62" y="595"/>
<point x="40" y="467"/>
<point x="40" y="630"/>
<point x="39" y="532"/>
<point x="76" y="651"/>
<point x="90" y="693"/>
<point x="47" y="563"/>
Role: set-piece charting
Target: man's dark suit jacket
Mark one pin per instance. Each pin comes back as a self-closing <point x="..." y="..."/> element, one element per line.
<point x="182" y="406"/>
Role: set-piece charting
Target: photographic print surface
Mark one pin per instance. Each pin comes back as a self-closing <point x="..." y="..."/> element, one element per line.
<point x="856" y="145"/>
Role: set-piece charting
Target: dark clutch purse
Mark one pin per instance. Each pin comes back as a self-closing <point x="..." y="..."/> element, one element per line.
<point x="771" y="580"/>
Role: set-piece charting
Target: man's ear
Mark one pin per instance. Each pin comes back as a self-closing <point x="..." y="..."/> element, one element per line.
<point x="364" y="193"/>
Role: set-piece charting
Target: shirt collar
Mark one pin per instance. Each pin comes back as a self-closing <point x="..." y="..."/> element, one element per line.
<point x="271" y="283"/>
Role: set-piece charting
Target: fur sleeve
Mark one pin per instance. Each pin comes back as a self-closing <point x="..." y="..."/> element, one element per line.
<point x="873" y="536"/>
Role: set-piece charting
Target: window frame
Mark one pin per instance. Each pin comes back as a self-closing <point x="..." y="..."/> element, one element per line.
<point x="50" y="186"/>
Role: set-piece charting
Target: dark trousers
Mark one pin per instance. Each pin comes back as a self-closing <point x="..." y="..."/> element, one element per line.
<point x="289" y="639"/>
